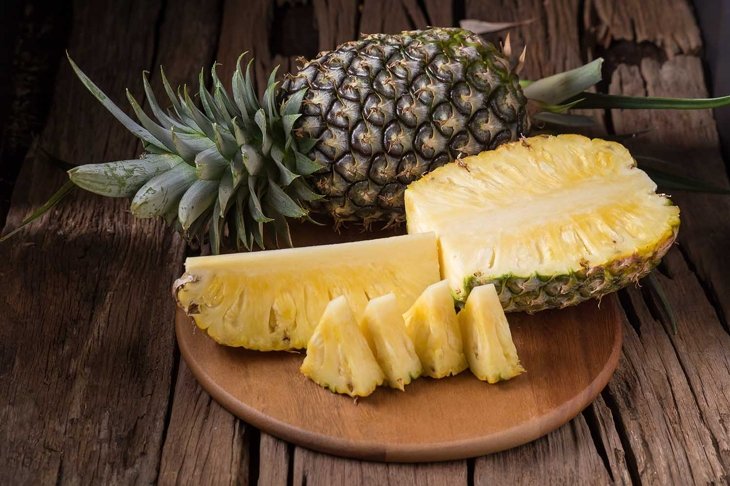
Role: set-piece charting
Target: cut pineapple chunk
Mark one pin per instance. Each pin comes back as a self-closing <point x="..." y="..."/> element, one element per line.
<point x="272" y="300"/>
<point x="551" y="221"/>
<point x="383" y="326"/>
<point x="434" y="329"/>
<point x="338" y="356"/>
<point x="488" y="345"/>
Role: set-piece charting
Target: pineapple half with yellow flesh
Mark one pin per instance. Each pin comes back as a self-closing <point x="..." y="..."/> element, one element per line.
<point x="550" y="220"/>
<point x="488" y="344"/>
<point x="272" y="300"/>
<point x="434" y="329"/>
<point x="385" y="330"/>
<point x="338" y="356"/>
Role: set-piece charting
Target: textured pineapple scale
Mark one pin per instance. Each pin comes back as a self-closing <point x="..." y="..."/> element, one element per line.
<point x="544" y="206"/>
<point x="338" y="355"/>
<point x="272" y="300"/>
<point x="385" y="330"/>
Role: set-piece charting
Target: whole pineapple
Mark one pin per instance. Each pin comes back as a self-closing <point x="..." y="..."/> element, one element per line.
<point x="344" y="136"/>
<point x="386" y="109"/>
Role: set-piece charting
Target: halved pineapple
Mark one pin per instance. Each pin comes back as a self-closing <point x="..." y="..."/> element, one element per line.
<point x="434" y="329"/>
<point x="272" y="300"/>
<point x="551" y="221"/>
<point x="488" y="344"/>
<point x="338" y="356"/>
<point x="385" y="330"/>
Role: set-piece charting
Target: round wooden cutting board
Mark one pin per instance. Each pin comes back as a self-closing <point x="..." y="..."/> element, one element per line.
<point x="569" y="356"/>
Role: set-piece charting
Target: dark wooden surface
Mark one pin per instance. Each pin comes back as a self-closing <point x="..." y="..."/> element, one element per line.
<point x="92" y="389"/>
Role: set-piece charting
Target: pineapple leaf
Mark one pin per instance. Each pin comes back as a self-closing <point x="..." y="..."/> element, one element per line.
<point x="282" y="203"/>
<point x="608" y="101"/>
<point x="199" y="197"/>
<point x="122" y="117"/>
<point x="226" y="189"/>
<point x="216" y="229"/>
<point x="242" y="235"/>
<point x="162" y="117"/>
<point x="169" y="91"/>
<point x="121" y="178"/>
<point x="255" y="204"/>
<point x="305" y="165"/>
<point x="201" y="121"/>
<point x="564" y="120"/>
<point x="557" y="88"/>
<point x="302" y="190"/>
<point x="210" y="164"/>
<point x="482" y="27"/>
<point x="287" y="176"/>
<point x="282" y="233"/>
<point x="159" y="132"/>
<point x="293" y="104"/>
<point x="47" y="206"/>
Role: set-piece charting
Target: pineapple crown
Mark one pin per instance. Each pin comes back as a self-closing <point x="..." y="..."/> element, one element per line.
<point x="234" y="160"/>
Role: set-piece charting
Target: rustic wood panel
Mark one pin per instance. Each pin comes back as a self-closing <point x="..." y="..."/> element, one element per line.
<point x="204" y="443"/>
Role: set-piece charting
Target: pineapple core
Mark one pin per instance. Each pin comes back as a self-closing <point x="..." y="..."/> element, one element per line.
<point x="550" y="220"/>
<point x="383" y="326"/>
<point x="272" y="300"/>
<point x="434" y="329"/>
<point x="338" y="355"/>
<point x="488" y="345"/>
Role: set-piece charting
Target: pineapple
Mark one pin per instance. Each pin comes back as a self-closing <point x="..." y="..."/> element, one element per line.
<point x="487" y="339"/>
<point x="550" y="221"/>
<point x="343" y="136"/>
<point x="434" y="329"/>
<point x="338" y="357"/>
<point x="383" y="326"/>
<point x="272" y="300"/>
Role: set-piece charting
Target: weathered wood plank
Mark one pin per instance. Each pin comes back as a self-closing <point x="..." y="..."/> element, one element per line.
<point x="669" y="24"/>
<point x="204" y="443"/>
<point x="670" y="391"/>
<point x="274" y="464"/>
<point x="565" y="456"/>
<point x="313" y="469"/>
<point x="86" y="339"/>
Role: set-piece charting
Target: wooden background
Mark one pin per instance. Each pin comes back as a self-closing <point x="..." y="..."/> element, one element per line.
<point x="92" y="388"/>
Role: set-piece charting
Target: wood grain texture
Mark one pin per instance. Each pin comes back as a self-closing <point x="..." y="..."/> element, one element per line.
<point x="204" y="444"/>
<point x="85" y="386"/>
<point x="569" y="356"/>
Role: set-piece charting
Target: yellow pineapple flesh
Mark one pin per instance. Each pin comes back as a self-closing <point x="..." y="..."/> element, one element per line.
<point x="550" y="220"/>
<point x="384" y="328"/>
<point x="488" y="344"/>
<point x="434" y="329"/>
<point x="272" y="300"/>
<point x="338" y="355"/>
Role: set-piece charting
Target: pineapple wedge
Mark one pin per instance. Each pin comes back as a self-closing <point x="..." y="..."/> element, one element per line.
<point x="385" y="330"/>
<point x="434" y="329"/>
<point x="272" y="300"/>
<point x="338" y="356"/>
<point x="551" y="221"/>
<point x="488" y="345"/>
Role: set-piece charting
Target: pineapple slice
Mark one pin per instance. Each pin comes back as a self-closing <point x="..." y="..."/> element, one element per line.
<point x="434" y="329"/>
<point x="383" y="326"/>
<point x="272" y="300"/>
<point x="487" y="339"/>
<point x="338" y="356"/>
<point x="551" y="221"/>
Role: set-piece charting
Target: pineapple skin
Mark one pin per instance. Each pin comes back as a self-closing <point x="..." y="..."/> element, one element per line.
<point x="532" y="292"/>
<point x="389" y="108"/>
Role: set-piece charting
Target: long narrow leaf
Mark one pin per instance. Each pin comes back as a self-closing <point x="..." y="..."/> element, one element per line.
<point x="600" y="100"/>
<point x="52" y="201"/>
<point x="128" y="123"/>
<point x="560" y="87"/>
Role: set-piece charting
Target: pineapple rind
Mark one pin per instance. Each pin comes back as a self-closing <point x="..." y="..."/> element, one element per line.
<point x="433" y="327"/>
<point x="338" y="356"/>
<point x="273" y="300"/>
<point x="385" y="330"/>
<point x="550" y="221"/>
<point x="488" y="344"/>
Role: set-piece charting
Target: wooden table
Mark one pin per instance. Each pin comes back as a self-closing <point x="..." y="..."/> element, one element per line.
<point x="92" y="388"/>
